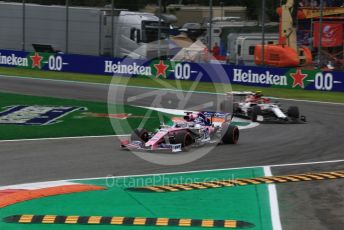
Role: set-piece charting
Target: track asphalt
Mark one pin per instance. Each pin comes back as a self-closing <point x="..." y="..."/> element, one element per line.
<point x="313" y="205"/>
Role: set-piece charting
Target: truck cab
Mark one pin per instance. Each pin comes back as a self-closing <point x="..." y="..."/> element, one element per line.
<point x="135" y="35"/>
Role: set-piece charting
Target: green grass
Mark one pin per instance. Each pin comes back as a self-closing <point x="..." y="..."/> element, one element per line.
<point x="245" y="203"/>
<point x="185" y="85"/>
<point x="82" y="122"/>
<point x="78" y="123"/>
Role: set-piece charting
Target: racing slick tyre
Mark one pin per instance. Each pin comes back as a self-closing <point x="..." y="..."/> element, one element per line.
<point x="293" y="112"/>
<point x="255" y="112"/>
<point x="236" y="108"/>
<point x="140" y="135"/>
<point x="229" y="134"/>
<point x="185" y="139"/>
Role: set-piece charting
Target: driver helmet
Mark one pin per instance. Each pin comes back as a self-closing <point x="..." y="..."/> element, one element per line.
<point x="199" y="120"/>
<point x="258" y="94"/>
<point x="180" y="124"/>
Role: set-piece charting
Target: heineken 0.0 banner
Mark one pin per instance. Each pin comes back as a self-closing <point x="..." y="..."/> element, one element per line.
<point x="292" y="78"/>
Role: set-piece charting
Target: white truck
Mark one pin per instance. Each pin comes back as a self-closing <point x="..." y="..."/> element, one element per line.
<point x="220" y="25"/>
<point x="134" y="34"/>
<point x="240" y="46"/>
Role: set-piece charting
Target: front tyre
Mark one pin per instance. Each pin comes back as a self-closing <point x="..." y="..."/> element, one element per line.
<point x="293" y="112"/>
<point x="185" y="139"/>
<point x="140" y="135"/>
<point x="229" y="134"/>
<point x="255" y="112"/>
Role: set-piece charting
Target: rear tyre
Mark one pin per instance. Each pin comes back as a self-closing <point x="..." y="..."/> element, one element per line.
<point x="140" y="135"/>
<point x="255" y="112"/>
<point x="185" y="139"/>
<point x="229" y="134"/>
<point x="293" y="112"/>
<point x="236" y="108"/>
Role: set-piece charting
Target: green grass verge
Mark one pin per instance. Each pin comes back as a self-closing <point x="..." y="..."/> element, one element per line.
<point x="246" y="203"/>
<point x="93" y="120"/>
<point x="186" y="85"/>
<point x="78" y="123"/>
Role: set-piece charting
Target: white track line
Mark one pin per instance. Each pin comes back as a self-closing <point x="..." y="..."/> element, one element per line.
<point x="110" y="84"/>
<point x="299" y="100"/>
<point x="196" y="171"/>
<point x="62" y="138"/>
<point x="144" y="87"/>
<point x="222" y="169"/>
<point x="170" y="111"/>
<point x="275" y="217"/>
<point x="274" y="208"/>
<point x="40" y="185"/>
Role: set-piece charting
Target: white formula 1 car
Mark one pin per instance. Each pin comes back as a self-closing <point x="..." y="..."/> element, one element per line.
<point x="258" y="108"/>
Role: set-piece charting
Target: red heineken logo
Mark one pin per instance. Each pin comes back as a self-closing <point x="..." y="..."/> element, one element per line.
<point x="161" y="69"/>
<point x="298" y="78"/>
<point x="36" y="60"/>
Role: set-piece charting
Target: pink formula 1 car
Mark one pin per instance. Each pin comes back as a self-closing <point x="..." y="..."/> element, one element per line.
<point x="194" y="130"/>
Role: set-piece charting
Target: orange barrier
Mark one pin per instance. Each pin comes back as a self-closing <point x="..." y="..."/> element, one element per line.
<point x="21" y="196"/>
